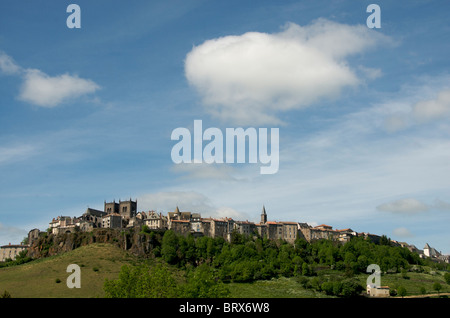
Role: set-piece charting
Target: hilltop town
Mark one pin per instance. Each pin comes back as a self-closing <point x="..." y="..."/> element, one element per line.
<point x="124" y="214"/>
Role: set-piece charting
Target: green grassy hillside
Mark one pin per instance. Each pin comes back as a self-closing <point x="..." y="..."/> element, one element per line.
<point x="47" y="277"/>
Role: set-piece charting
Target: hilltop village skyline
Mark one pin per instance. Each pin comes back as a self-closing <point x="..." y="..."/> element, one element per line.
<point x="124" y="214"/>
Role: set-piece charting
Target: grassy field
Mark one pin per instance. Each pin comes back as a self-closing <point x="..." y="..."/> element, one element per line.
<point x="275" y="288"/>
<point x="47" y="278"/>
<point x="413" y="282"/>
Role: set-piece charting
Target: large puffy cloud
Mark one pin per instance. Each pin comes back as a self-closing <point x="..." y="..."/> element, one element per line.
<point x="43" y="90"/>
<point x="249" y="78"/>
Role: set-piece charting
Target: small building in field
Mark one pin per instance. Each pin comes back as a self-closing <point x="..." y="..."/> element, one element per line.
<point x="378" y="291"/>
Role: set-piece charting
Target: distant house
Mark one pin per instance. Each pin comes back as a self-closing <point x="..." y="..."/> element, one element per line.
<point x="345" y="235"/>
<point x="378" y="291"/>
<point x="112" y="221"/>
<point x="430" y="252"/>
<point x="155" y="220"/>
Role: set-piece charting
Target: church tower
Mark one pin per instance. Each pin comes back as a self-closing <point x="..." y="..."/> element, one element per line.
<point x="263" y="216"/>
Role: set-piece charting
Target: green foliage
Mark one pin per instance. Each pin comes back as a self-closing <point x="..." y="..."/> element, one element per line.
<point x="401" y="291"/>
<point x="158" y="281"/>
<point x="5" y="294"/>
<point x="202" y="283"/>
<point x="447" y="278"/>
<point x="145" y="230"/>
<point x="142" y="281"/>
<point x="437" y="287"/>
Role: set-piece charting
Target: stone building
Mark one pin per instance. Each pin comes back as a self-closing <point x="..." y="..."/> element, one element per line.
<point x="430" y="251"/>
<point x="63" y="224"/>
<point x="180" y="226"/>
<point x="112" y="221"/>
<point x="127" y="209"/>
<point x="289" y="231"/>
<point x="155" y="221"/>
<point x="92" y="218"/>
<point x="345" y="235"/>
<point x="11" y="251"/>
<point x="244" y="227"/>
<point x="378" y="291"/>
<point x="323" y="231"/>
<point x="33" y="235"/>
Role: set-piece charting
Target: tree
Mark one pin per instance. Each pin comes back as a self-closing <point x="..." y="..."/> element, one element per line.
<point x="447" y="278"/>
<point x="401" y="291"/>
<point x="437" y="287"/>
<point x="327" y="287"/>
<point x="5" y="294"/>
<point x="384" y="240"/>
<point x="142" y="281"/>
<point x="203" y="284"/>
<point x="306" y="270"/>
<point x="169" y="247"/>
<point x="423" y="291"/>
<point x="350" y="288"/>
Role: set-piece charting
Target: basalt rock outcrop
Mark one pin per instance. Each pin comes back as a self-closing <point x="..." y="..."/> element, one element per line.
<point x="139" y="243"/>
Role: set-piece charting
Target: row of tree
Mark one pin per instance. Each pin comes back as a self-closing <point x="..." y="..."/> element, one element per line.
<point x="248" y="258"/>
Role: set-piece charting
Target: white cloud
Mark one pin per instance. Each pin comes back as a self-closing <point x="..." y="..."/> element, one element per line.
<point x="433" y="108"/>
<point x="428" y="102"/>
<point x="409" y="205"/>
<point x="370" y="73"/>
<point x="441" y="205"/>
<point x="16" y="152"/>
<point x="206" y="171"/>
<point x="7" y="64"/>
<point x="11" y="234"/>
<point x="250" y="78"/>
<point x="402" y="232"/>
<point x="43" y="90"/>
<point x="190" y="201"/>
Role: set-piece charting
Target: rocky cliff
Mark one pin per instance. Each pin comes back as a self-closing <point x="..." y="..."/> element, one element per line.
<point x="137" y="242"/>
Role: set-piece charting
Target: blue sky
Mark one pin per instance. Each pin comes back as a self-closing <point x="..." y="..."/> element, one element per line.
<point x="86" y="114"/>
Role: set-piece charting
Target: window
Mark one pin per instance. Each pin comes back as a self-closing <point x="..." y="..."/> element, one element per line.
<point x="124" y="209"/>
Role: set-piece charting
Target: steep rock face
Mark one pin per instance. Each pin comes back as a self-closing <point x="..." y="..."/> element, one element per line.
<point x="138" y="243"/>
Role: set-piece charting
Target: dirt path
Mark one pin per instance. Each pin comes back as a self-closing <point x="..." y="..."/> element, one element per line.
<point x="427" y="295"/>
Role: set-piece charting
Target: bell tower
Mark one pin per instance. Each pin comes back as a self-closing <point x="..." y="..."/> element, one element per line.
<point x="263" y="216"/>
